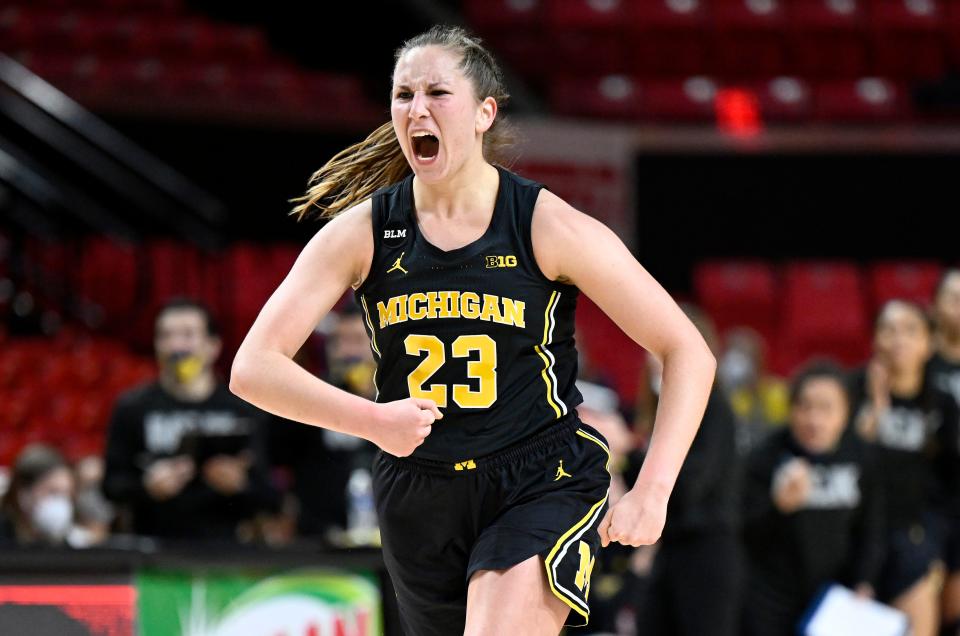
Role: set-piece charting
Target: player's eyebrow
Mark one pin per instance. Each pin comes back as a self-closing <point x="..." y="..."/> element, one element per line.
<point x="430" y="85"/>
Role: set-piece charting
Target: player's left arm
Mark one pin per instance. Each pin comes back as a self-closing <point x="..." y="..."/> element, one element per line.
<point x="574" y="248"/>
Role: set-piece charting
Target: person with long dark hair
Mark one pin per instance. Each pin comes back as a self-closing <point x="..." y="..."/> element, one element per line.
<point x="914" y="426"/>
<point x="943" y="369"/>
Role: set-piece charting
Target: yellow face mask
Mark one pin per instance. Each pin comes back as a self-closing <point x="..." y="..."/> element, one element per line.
<point x="186" y="367"/>
<point x="359" y="377"/>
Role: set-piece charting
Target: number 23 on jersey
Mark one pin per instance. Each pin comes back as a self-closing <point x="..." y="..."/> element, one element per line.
<point x="481" y="351"/>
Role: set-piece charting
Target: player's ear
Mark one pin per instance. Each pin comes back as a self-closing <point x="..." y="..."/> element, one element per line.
<point x="486" y="114"/>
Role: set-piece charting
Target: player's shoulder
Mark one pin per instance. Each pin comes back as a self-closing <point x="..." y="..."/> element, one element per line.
<point x="555" y="221"/>
<point x="352" y="226"/>
<point x="519" y="181"/>
<point x="387" y="197"/>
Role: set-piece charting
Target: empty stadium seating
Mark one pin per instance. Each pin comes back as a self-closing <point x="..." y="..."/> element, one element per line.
<point x="62" y="389"/>
<point x="855" y="60"/>
<point x="157" y="55"/>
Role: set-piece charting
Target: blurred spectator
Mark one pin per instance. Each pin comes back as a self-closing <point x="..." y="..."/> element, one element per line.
<point x="945" y="361"/>
<point x="813" y="510"/>
<point x="694" y="586"/>
<point x="38" y="507"/>
<point x="944" y="371"/>
<point x="615" y="584"/>
<point x="94" y="514"/>
<point x="322" y="460"/>
<point x="758" y="398"/>
<point x="183" y="453"/>
<point x="915" y="427"/>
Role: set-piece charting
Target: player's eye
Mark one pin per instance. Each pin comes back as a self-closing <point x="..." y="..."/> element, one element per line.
<point x="439" y="92"/>
<point x="404" y="94"/>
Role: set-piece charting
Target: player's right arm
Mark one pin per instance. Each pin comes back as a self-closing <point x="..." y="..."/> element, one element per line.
<point x="264" y="373"/>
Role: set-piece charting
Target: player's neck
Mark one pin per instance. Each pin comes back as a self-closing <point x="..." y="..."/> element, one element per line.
<point x="471" y="189"/>
<point x="197" y="390"/>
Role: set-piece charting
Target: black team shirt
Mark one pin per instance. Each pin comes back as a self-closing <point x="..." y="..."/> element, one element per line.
<point x="478" y="329"/>
<point x="945" y="375"/>
<point x="917" y="450"/>
<point x="835" y="536"/>
<point x="149" y="424"/>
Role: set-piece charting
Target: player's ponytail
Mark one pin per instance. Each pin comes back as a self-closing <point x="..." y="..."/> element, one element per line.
<point x="355" y="173"/>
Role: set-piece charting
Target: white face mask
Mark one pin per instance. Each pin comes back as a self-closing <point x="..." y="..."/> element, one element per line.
<point x="736" y="369"/>
<point x="53" y="516"/>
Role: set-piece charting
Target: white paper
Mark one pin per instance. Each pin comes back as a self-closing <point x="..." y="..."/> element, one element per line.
<point x="842" y="613"/>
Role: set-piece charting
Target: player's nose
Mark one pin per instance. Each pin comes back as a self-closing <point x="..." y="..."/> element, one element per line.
<point x="418" y="105"/>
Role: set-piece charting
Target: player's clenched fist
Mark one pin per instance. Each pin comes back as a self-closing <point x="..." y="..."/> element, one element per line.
<point x="636" y="519"/>
<point x="404" y="424"/>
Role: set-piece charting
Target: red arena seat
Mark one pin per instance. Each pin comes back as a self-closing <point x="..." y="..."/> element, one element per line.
<point x="908" y="38"/>
<point x="868" y="99"/>
<point x="751" y="38"/>
<point x="824" y="311"/>
<point x="669" y="38"/>
<point x="784" y="99"/>
<point x="829" y="38"/>
<point x="911" y="280"/>
<point x="738" y="292"/>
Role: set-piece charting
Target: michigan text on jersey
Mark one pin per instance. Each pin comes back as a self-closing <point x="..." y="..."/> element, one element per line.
<point x="451" y="304"/>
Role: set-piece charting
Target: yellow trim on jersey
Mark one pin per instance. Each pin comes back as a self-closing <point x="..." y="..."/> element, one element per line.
<point x="562" y="593"/>
<point x="563" y="543"/>
<point x="583" y="433"/>
<point x="373" y="334"/>
<point x="548" y="360"/>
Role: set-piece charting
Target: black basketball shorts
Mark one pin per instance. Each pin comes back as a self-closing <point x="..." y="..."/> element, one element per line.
<point x="441" y="522"/>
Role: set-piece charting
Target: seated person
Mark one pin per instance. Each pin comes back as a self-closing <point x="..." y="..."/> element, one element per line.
<point x="812" y="508"/>
<point x="38" y="507"/>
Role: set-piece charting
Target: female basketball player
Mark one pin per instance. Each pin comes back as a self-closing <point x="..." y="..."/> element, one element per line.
<point x="491" y="494"/>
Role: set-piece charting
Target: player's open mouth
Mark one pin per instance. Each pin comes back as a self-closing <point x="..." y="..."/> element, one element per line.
<point x="425" y="146"/>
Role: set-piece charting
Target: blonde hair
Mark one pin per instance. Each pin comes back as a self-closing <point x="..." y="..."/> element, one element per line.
<point x="354" y="173"/>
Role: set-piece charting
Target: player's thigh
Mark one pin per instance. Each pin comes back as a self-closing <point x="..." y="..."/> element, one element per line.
<point x="515" y="600"/>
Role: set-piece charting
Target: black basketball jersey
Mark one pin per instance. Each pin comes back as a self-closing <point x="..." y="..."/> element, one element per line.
<point x="478" y="329"/>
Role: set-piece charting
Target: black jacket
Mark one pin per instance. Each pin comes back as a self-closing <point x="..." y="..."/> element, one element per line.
<point x="148" y="424"/>
<point x="837" y="536"/>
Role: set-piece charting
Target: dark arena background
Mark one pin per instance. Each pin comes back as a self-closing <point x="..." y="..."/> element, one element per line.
<point x="787" y="169"/>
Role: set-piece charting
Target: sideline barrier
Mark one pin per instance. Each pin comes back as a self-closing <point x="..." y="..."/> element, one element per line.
<point x="196" y="590"/>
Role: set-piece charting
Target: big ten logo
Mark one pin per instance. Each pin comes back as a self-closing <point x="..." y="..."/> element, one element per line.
<point x="501" y="261"/>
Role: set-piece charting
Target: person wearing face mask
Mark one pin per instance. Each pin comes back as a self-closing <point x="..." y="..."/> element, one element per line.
<point x="813" y="510"/>
<point x="184" y="456"/>
<point x="38" y="507"/>
<point x="322" y="460"/>
<point x="694" y="584"/>
<point x="759" y="399"/>
<point x="914" y="426"/>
